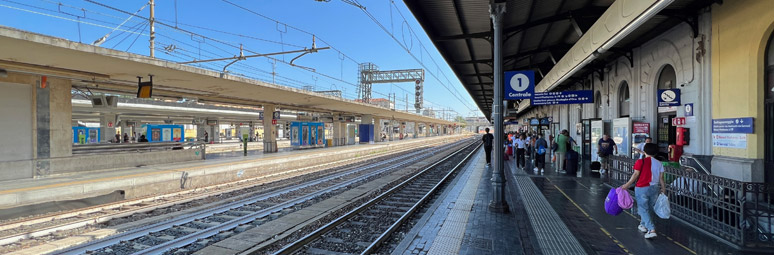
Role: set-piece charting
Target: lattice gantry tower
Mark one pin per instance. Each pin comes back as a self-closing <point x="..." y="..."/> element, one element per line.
<point x="370" y="74"/>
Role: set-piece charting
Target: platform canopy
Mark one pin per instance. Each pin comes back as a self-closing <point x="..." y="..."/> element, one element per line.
<point x="537" y="35"/>
<point x="117" y="71"/>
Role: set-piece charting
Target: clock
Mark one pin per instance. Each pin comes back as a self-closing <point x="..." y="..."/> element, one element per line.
<point x="668" y="96"/>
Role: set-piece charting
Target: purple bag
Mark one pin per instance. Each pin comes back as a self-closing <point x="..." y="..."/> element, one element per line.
<point x="625" y="200"/>
<point x="611" y="203"/>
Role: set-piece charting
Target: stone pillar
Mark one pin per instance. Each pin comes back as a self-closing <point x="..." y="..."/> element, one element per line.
<point x="269" y="129"/>
<point x="107" y="127"/>
<point x="378" y="129"/>
<point x="336" y="130"/>
<point x="122" y="124"/>
<point x="200" y="129"/>
<point x="401" y="130"/>
<point x="253" y="137"/>
<point x="215" y="133"/>
<point x="415" y="129"/>
<point x="366" y="119"/>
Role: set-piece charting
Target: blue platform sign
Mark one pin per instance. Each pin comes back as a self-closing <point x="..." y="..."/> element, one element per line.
<point x="668" y="97"/>
<point x="688" y="110"/>
<point x="534" y="122"/>
<point x="519" y="84"/>
<point x="563" y="97"/>
<point x="733" y="125"/>
<point x="546" y="121"/>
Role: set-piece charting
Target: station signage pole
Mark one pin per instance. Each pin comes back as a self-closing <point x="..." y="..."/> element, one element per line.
<point x="498" y="204"/>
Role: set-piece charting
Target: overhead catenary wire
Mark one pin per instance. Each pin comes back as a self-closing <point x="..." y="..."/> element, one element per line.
<point x="140" y="24"/>
<point x="60" y="17"/>
<point x="380" y="25"/>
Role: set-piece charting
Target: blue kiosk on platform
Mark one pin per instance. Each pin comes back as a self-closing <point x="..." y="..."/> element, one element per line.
<point x="85" y="135"/>
<point x="305" y="135"/>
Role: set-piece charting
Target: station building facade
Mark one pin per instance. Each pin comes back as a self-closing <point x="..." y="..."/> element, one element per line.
<point x="725" y="70"/>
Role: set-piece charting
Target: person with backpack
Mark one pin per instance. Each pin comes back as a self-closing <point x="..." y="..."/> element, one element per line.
<point x="648" y="175"/>
<point x="541" y="147"/>
<point x="488" y="140"/>
<point x="561" y="150"/>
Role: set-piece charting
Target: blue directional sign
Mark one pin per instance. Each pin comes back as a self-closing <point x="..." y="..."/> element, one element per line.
<point x="688" y="110"/>
<point x="519" y="84"/>
<point x="668" y="97"/>
<point x="534" y="122"/>
<point x="733" y="125"/>
<point x="260" y="117"/>
<point x="546" y="121"/>
<point x="563" y="97"/>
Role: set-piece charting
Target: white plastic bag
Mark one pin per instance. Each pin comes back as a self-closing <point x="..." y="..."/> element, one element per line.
<point x="662" y="207"/>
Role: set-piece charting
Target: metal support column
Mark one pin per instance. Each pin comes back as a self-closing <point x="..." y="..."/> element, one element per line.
<point x="498" y="204"/>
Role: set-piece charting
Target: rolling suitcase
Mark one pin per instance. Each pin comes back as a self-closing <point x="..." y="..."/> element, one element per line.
<point x="571" y="162"/>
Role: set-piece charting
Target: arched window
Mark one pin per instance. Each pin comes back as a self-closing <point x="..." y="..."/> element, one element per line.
<point x="666" y="134"/>
<point x="667" y="78"/>
<point x="770" y="69"/>
<point x="623" y="100"/>
<point x="598" y="105"/>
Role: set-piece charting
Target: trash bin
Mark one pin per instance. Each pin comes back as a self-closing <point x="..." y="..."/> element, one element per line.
<point x="328" y="142"/>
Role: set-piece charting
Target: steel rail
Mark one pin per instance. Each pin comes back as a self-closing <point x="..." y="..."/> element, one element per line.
<point x="298" y="244"/>
<point x="129" y="235"/>
<point x="406" y="216"/>
<point x="190" y="238"/>
<point x="104" y="218"/>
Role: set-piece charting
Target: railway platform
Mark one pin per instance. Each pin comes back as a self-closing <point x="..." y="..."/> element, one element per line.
<point x="550" y="213"/>
<point x="73" y="191"/>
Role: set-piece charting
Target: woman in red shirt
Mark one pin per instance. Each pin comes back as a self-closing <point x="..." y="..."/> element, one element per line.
<point x="648" y="175"/>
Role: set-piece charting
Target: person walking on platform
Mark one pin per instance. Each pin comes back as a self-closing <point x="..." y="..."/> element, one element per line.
<point x="641" y="147"/>
<point x="561" y="150"/>
<point x="126" y="138"/>
<point x="606" y="148"/>
<point x="520" y="145"/>
<point x="206" y="137"/>
<point x="488" y="140"/>
<point x="648" y="175"/>
<point x="541" y="147"/>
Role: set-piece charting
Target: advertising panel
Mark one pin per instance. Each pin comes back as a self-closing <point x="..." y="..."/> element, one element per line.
<point x="621" y="135"/>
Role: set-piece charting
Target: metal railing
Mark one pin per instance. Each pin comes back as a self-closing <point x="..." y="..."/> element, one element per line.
<point x="741" y="213"/>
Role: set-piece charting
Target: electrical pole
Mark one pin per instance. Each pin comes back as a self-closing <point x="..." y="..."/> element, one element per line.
<point x="152" y="28"/>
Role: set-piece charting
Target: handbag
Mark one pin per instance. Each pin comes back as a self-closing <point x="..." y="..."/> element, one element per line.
<point x="611" y="203"/>
<point x="662" y="207"/>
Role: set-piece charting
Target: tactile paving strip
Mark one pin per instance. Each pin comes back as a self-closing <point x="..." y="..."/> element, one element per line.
<point x="451" y="235"/>
<point x="552" y="234"/>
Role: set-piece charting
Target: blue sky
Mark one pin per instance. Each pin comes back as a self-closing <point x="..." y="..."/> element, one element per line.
<point x="286" y="25"/>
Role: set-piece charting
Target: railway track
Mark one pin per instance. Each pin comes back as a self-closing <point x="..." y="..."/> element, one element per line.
<point x="41" y="227"/>
<point x="197" y="230"/>
<point x="364" y="229"/>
